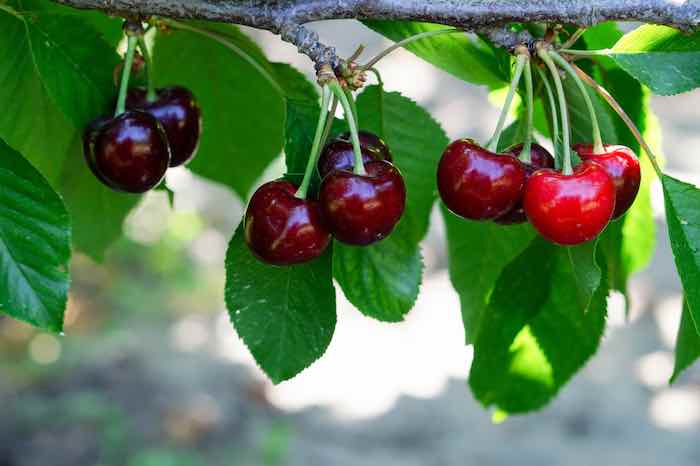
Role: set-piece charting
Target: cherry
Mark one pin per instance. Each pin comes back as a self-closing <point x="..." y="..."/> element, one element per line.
<point x="476" y="183"/>
<point x="282" y="229"/>
<point x="539" y="158"/>
<point x="622" y="166"/>
<point x="129" y="152"/>
<point x="338" y="154"/>
<point x="363" y="209"/>
<point x="177" y="110"/>
<point x="570" y="209"/>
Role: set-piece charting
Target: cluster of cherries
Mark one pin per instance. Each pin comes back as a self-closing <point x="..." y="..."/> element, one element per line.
<point x="282" y="228"/>
<point x="132" y="150"/>
<point x="478" y="184"/>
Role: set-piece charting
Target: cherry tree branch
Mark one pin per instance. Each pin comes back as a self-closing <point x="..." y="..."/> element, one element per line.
<point x="287" y="17"/>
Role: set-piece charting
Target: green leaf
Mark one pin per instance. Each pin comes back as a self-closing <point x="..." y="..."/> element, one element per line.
<point x="34" y="245"/>
<point x="687" y="343"/>
<point x="461" y="55"/>
<point x="585" y="270"/>
<point x="662" y="58"/>
<point x="285" y="315"/>
<point x="683" y="217"/>
<point x="243" y="105"/>
<point x="535" y="332"/>
<point x="382" y="280"/>
<point x="477" y="254"/>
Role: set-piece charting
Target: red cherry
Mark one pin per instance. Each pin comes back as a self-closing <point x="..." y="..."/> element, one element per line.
<point x="129" y="152"/>
<point x="177" y="110"/>
<point x="570" y="209"/>
<point x="622" y="166"/>
<point x="338" y="154"/>
<point x="476" y="183"/>
<point x="539" y="158"/>
<point x="282" y="229"/>
<point x="363" y="209"/>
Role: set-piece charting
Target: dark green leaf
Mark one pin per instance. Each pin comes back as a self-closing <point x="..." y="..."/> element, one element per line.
<point x="382" y="280"/>
<point x="466" y="57"/>
<point x="478" y="253"/>
<point x="243" y="105"/>
<point x="34" y="245"/>
<point x="664" y="59"/>
<point x="535" y="334"/>
<point x="687" y="344"/>
<point x="285" y="315"/>
<point x="683" y="217"/>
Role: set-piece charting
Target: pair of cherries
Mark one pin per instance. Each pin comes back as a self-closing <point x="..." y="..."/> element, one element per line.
<point x="132" y="151"/>
<point x="478" y="184"/>
<point x="283" y="229"/>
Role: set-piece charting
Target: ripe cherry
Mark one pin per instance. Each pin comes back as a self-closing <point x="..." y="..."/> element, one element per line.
<point x="622" y="166"/>
<point x="539" y="158"/>
<point x="363" y="209"/>
<point x="177" y="110"/>
<point x="570" y="209"/>
<point x="129" y="152"/>
<point x="476" y="183"/>
<point x="338" y="154"/>
<point x="282" y="229"/>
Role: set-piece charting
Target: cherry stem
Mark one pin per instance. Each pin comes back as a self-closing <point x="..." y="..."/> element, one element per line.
<point x="585" y="53"/>
<point x="567" y="169"/>
<point x="150" y="74"/>
<point x="378" y="76"/>
<point x="597" y="140"/>
<point x="493" y="144"/>
<point x="316" y="146"/>
<point x="574" y="38"/>
<point x="525" y="154"/>
<point x="553" y="111"/>
<point x="329" y="120"/>
<point x="126" y="73"/>
<point x="622" y="114"/>
<point x="406" y="41"/>
<point x="353" y="106"/>
<point x="359" y="166"/>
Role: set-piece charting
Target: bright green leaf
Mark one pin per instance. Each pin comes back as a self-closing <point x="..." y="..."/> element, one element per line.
<point x="285" y="315"/>
<point x="243" y="105"/>
<point x="34" y="245"/>
<point x="664" y="59"/>
<point x="687" y="344"/>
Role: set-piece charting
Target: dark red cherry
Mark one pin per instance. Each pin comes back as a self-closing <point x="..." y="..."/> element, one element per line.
<point x="338" y="154"/>
<point x="622" y="166"/>
<point x="476" y="183"/>
<point x="177" y="110"/>
<point x="570" y="209"/>
<point x="363" y="209"/>
<point x="129" y="152"/>
<point x="282" y="229"/>
<point x="539" y="158"/>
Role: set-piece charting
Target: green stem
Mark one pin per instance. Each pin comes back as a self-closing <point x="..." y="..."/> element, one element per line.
<point x="406" y="41"/>
<point x="150" y="72"/>
<point x="226" y="42"/>
<point x="126" y="72"/>
<point x="574" y="38"/>
<point x="9" y="10"/>
<point x="553" y="111"/>
<point x="378" y="76"/>
<point x="359" y="167"/>
<point x="493" y="144"/>
<point x="316" y="146"/>
<point x="597" y="140"/>
<point x="525" y="154"/>
<point x="329" y="120"/>
<point x="585" y="53"/>
<point x="567" y="169"/>
<point x="353" y="106"/>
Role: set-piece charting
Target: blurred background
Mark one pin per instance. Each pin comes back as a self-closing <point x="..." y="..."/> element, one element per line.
<point x="151" y="373"/>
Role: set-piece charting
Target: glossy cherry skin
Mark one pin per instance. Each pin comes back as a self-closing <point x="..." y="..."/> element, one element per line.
<point x="363" y="209"/>
<point x="177" y="110"/>
<point x="622" y="166"/>
<point x="281" y="229"/>
<point x="338" y="154"/>
<point x="129" y="152"/>
<point x="539" y="158"/>
<point x="570" y="209"/>
<point x="476" y="183"/>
